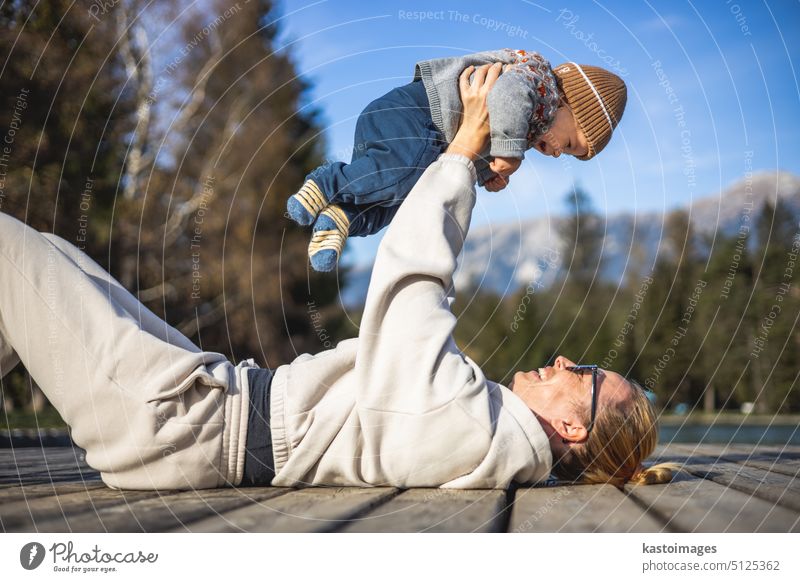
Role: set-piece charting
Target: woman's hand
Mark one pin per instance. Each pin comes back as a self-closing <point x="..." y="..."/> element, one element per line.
<point x="473" y="133"/>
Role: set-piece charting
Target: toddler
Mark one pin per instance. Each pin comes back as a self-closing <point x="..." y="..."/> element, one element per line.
<point x="571" y="109"/>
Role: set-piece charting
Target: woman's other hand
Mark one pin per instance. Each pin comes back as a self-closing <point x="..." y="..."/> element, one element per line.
<point x="473" y="133"/>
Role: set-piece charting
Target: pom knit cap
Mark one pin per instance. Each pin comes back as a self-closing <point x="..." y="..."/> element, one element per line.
<point x="597" y="98"/>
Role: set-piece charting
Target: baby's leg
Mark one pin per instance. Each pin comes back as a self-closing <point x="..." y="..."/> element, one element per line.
<point x="367" y="219"/>
<point x="392" y="137"/>
<point x="103" y="360"/>
<point x="337" y="222"/>
<point x="395" y="141"/>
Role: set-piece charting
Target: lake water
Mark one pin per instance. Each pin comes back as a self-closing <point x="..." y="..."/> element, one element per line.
<point x="724" y="433"/>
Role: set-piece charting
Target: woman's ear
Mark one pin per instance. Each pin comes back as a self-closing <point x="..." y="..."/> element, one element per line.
<point x="571" y="430"/>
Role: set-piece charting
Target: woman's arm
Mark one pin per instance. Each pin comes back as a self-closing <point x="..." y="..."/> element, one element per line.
<point x="405" y="339"/>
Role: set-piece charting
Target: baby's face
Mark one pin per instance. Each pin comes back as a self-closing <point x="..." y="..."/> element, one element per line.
<point x="564" y="136"/>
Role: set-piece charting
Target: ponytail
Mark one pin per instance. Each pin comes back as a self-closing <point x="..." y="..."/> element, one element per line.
<point x="660" y="473"/>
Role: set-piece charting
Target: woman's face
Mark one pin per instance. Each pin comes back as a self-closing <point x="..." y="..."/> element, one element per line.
<point x="555" y="395"/>
<point x="564" y="136"/>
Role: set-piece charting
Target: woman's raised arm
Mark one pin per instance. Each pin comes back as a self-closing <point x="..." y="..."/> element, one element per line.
<point x="407" y="360"/>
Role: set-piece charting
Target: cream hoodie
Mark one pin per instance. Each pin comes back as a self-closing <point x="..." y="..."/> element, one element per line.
<point x="401" y="405"/>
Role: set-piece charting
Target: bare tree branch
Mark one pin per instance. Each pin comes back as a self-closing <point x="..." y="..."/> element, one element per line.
<point x="177" y="221"/>
<point x="191" y="326"/>
<point x="134" y="48"/>
<point x="163" y="289"/>
<point x="198" y="94"/>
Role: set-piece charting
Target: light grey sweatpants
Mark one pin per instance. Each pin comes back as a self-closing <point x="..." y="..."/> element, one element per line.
<point x="151" y="409"/>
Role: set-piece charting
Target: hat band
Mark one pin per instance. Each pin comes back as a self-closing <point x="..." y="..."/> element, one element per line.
<point x="596" y="94"/>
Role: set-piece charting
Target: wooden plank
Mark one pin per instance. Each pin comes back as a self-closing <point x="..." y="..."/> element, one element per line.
<point x="793" y="449"/>
<point x="436" y="510"/>
<point x="170" y="511"/>
<point x="55" y="471"/>
<point x="40" y="455"/>
<point x="24" y="515"/>
<point x="693" y="504"/>
<point x="306" y="510"/>
<point x="44" y="479"/>
<point x="767" y="485"/>
<point x="579" y="508"/>
<point x="769" y="459"/>
<point x="26" y="491"/>
<point x="42" y="465"/>
<point x="43" y="475"/>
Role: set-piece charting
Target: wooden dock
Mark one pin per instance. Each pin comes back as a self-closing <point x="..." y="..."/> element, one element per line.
<point x="735" y="488"/>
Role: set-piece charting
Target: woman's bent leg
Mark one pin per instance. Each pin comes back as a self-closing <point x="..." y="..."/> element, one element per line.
<point x="145" y="403"/>
<point x="148" y="321"/>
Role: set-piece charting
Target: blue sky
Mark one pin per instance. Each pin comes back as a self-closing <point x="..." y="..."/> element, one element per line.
<point x="732" y="68"/>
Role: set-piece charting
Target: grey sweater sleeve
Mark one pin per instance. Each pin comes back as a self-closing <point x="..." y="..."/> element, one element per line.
<point x="510" y="102"/>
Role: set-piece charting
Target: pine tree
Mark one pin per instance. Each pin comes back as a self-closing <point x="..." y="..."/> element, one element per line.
<point x="776" y="309"/>
<point x="582" y="236"/>
<point x="170" y="163"/>
<point x="529" y="346"/>
<point x="223" y="264"/>
<point x="64" y="118"/>
<point x="580" y="312"/>
<point x="481" y="332"/>
<point x="669" y="322"/>
<point x="63" y="167"/>
<point x="725" y="321"/>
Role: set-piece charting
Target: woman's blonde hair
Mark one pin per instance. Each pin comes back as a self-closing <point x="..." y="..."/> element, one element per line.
<point x="620" y="440"/>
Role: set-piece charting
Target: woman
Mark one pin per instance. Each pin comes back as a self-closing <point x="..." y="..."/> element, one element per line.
<point x="399" y="405"/>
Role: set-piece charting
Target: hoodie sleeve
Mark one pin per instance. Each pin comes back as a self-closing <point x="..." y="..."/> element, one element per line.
<point x="407" y="360"/>
<point x="482" y="169"/>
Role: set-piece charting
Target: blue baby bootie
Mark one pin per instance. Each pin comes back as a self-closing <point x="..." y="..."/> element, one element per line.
<point x="327" y="241"/>
<point x="304" y="206"/>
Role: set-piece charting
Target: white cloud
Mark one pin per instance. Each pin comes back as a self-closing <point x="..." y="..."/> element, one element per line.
<point x="664" y="22"/>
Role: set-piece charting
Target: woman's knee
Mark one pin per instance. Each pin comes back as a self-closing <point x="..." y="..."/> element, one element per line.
<point x="19" y="243"/>
<point x="11" y="229"/>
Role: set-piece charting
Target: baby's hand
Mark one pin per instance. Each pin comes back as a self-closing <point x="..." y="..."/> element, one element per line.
<point x="505" y="166"/>
<point x="496" y="183"/>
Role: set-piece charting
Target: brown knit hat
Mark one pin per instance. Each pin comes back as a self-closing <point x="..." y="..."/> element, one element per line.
<point x="597" y="98"/>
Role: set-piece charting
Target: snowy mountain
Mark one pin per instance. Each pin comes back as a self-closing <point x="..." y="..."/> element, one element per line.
<point x="504" y="257"/>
